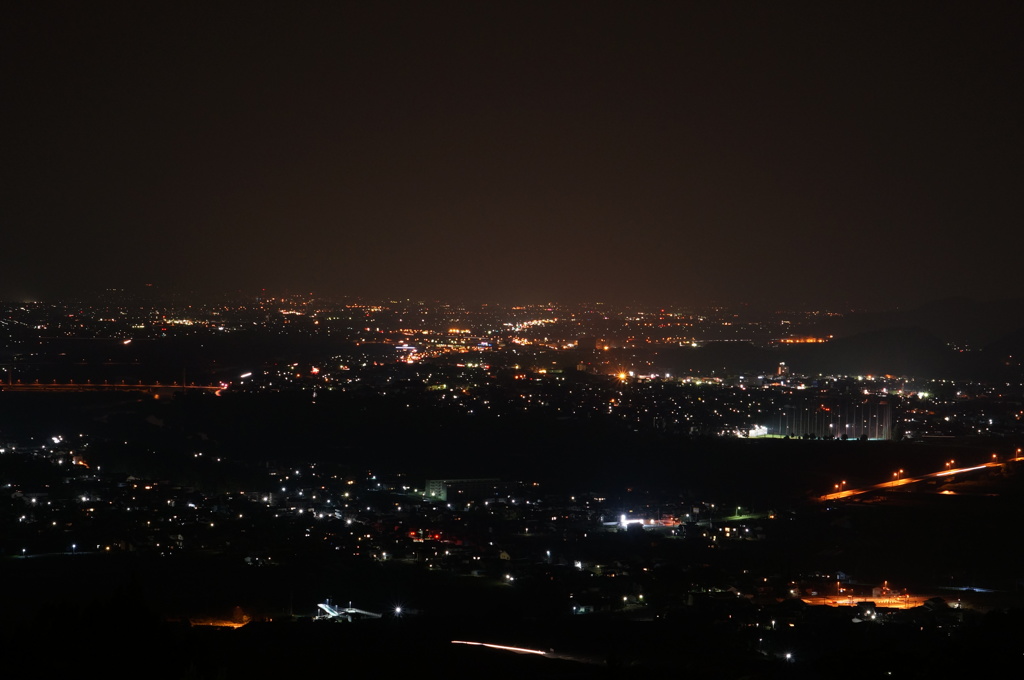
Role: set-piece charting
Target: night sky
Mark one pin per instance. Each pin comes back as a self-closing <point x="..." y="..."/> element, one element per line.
<point x="775" y="153"/>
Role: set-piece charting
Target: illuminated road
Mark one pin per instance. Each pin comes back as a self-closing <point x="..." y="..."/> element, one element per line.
<point x="903" y="481"/>
<point x="890" y="601"/>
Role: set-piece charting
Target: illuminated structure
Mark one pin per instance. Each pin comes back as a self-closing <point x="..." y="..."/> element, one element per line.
<point x="332" y="613"/>
<point x="465" y="489"/>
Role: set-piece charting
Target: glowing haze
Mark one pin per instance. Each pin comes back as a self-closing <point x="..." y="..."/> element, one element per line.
<point x="683" y="152"/>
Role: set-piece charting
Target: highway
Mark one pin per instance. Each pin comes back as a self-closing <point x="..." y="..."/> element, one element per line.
<point x="899" y="480"/>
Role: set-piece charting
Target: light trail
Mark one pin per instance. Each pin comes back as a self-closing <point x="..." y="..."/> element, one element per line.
<point x="517" y="650"/>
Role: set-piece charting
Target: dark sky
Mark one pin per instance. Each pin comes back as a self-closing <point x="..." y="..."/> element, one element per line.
<point x="668" y="152"/>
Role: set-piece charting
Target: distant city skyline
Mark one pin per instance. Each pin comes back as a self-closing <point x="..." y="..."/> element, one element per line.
<point x="791" y="154"/>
